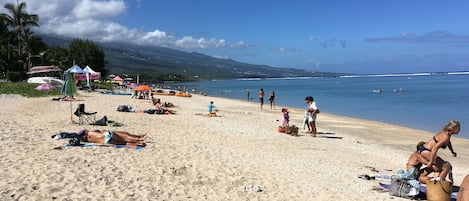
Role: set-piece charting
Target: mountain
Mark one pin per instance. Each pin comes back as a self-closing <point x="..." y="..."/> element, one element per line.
<point x="127" y="58"/>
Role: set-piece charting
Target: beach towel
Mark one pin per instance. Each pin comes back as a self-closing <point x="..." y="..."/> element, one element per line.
<point x="102" y="145"/>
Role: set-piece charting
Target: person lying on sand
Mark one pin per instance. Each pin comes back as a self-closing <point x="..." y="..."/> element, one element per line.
<point x="160" y="109"/>
<point x="105" y="137"/>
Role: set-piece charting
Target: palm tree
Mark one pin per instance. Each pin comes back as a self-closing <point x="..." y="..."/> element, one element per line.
<point x="32" y="46"/>
<point x="57" y="56"/>
<point x="5" y="45"/>
<point x="19" y="21"/>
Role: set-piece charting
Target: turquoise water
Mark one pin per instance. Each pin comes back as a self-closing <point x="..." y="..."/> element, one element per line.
<point x="420" y="102"/>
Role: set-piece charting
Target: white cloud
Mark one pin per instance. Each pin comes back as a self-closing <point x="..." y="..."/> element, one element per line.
<point x="191" y="42"/>
<point x="283" y="49"/>
<point x="91" y="19"/>
<point x="221" y="56"/>
<point x="89" y="9"/>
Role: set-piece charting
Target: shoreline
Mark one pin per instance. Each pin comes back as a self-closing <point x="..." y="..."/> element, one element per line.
<point x="190" y="156"/>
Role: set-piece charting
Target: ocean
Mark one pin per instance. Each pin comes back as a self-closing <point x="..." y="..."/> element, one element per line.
<point x="425" y="102"/>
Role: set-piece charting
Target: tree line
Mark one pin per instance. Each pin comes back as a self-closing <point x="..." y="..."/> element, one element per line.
<point x="21" y="49"/>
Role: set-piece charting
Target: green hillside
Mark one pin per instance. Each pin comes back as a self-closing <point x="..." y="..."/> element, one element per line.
<point x="131" y="59"/>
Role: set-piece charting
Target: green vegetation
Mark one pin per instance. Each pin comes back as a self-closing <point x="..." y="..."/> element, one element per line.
<point x="21" y="50"/>
<point x="26" y="90"/>
<point x="29" y="89"/>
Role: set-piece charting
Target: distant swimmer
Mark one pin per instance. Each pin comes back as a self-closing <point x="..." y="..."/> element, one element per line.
<point x="378" y="90"/>
<point x="398" y="90"/>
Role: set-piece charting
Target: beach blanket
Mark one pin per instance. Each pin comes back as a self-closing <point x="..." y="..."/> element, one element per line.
<point x="423" y="189"/>
<point x="103" y="145"/>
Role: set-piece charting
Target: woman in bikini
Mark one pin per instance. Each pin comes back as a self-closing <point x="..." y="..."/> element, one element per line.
<point x="442" y="139"/>
<point x="112" y="137"/>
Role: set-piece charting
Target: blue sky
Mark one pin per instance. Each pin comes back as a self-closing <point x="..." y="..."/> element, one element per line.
<point x="360" y="36"/>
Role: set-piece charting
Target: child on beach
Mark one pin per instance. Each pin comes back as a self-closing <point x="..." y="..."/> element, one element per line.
<point x="285" y="117"/>
<point x="211" y="108"/>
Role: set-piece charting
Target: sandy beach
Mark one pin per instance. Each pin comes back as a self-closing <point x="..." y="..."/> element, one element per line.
<point x="238" y="155"/>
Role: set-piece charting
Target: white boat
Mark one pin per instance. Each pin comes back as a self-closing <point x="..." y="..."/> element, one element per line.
<point x="45" y="74"/>
<point x="45" y="80"/>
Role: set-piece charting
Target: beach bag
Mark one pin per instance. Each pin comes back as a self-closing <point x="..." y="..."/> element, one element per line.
<point x="291" y="130"/>
<point x="400" y="187"/>
<point x="281" y="129"/>
<point x="101" y="122"/>
<point x="74" y="141"/>
<point x="295" y="130"/>
<point x="125" y="108"/>
<point x="439" y="190"/>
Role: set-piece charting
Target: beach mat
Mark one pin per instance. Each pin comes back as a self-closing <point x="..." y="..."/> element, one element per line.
<point x="103" y="145"/>
<point x="423" y="189"/>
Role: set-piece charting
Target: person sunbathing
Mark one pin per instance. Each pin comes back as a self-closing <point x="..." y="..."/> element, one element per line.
<point x="111" y="137"/>
<point x="159" y="108"/>
<point x="103" y="137"/>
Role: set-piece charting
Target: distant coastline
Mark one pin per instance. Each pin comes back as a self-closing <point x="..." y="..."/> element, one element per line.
<point x="409" y="74"/>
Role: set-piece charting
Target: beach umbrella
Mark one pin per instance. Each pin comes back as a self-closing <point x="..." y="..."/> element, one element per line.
<point x="142" y="88"/>
<point x="45" y="87"/>
<point x="132" y="85"/>
<point x="69" y="89"/>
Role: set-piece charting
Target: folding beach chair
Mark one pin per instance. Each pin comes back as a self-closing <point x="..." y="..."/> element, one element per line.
<point x="84" y="117"/>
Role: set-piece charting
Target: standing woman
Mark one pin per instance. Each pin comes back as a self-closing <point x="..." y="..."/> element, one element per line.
<point x="272" y="100"/>
<point x="442" y="139"/>
<point x="313" y="111"/>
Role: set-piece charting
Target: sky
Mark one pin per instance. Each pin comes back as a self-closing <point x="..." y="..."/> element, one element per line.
<point x="359" y="36"/>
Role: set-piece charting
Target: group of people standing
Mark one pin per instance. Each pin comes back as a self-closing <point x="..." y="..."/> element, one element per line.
<point x="310" y="113"/>
<point x="261" y="94"/>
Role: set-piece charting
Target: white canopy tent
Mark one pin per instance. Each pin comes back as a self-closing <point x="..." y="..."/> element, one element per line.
<point x="91" y="75"/>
